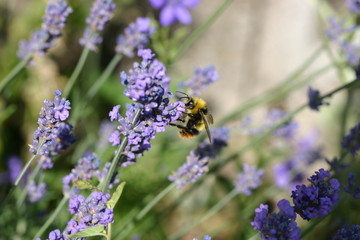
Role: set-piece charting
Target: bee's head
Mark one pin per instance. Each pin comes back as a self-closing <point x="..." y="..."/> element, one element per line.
<point x="189" y="101"/>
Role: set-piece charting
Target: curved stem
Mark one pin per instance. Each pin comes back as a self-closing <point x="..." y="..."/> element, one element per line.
<point x="24" y="170"/>
<point x="101" y="80"/>
<point x="51" y="219"/>
<point x="197" y="33"/>
<point x="116" y="159"/>
<point x="217" y="207"/>
<point x="76" y="73"/>
<point x="15" y="71"/>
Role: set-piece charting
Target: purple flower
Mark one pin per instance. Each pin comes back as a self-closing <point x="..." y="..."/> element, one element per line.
<point x="197" y="161"/>
<point x="336" y="165"/>
<point x="101" y="12"/>
<point x="353" y="5"/>
<point x="290" y="173"/>
<point x="190" y="171"/>
<point x="174" y="10"/>
<point x="136" y="36"/>
<point x="55" y="17"/>
<point x="314" y="100"/>
<point x="147" y="85"/>
<point x="281" y="225"/>
<point x="337" y="29"/>
<point x="55" y="235"/>
<point x="14" y="167"/>
<point x="200" y="80"/>
<point x="53" y="134"/>
<point x="348" y="233"/>
<point x="105" y="131"/>
<point x="36" y="192"/>
<point x="351" y="142"/>
<point x="90" y="212"/>
<point x="318" y="199"/>
<point x="249" y="179"/>
<point x="352" y="188"/>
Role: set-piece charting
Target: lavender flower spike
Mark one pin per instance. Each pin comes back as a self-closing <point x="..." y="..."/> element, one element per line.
<point x="281" y="225"/>
<point x="351" y="142"/>
<point x="36" y="192"/>
<point x="174" y="10"/>
<point x="136" y="36"/>
<point x="101" y="12"/>
<point x="314" y="99"/>
<point x="53" y="133"/>
<point x="353" y="5"/>
<point x="348" y="232"/>
<point x="317" y="199"/>
<point x="200" y="80"/>
<point x="90" y="212"/>
<point x="249" y="179"/>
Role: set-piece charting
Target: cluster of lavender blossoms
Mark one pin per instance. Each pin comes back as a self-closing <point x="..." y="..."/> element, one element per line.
<point x="352" y="188"/>
<point x="136" y="36"/>
<point x="317" y="199"/>
<point x="101" y="12"/>
<point x="148" y="86"/>
<point x="174" y="10"/>
<point x="90" y="212"/>
<point x="336" y="33"/>
<point x="249" y="179"/>
<point x="87" y="170"/>
<point x="36" y="192"/>
<point x="281" y="225"/>
<point x="53" y="134"/>
<point x="351" y="142"/>
<point x="200" y="79"/>
<point x="197" y="161"/>
<point x="55" y="235"/>
<point x="55" y="17"/>
<point x="348" y="232"/>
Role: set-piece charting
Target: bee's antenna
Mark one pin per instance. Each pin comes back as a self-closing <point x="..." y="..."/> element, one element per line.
<point x="186" y="96"/>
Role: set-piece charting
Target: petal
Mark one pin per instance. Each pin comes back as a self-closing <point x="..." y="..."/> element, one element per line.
<point x="167" y="16"/>
<point x="157" y="3"/>
<point x="191" y="3"/>
<point x="183" y="15"/>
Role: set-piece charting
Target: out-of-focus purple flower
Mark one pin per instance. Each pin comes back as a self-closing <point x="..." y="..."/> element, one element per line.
<point x="200" y="80"/>
<point x="36" y="192"/>
<point x="55" y="17"/>
<point x="281" y="225"/>
<point x="248" y="180"/>
<point x="55" y="235"/>
<point x="353" y="5"/>
<point x="147" y="85"/>
<point x="14" y="167"/>
<point x="337" y="29"/>
<point x="314" y="100"/>
<point x="101" y="12"/>
<point x="53" y="134"/>
<point x="348" y="233"/>
<point x="136" y="36"/>
<point x="206" y="237"/>
<point x="336" y="165"/>
<point x="105" y="131"/>
<point x="90" y="212"/>
<point x="197" y="161"/>
<point x="291" y="172"/>
<point x="318" y="199"/>
<point x="190" y="171"/>
<point x="352" y="188"/>
<point x="351" y="142"/>
<point x="174" y="10"/>
<point x="352" y="52"/>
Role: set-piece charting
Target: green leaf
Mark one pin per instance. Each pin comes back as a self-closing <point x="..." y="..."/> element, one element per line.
<point x="115" y="196"/>
<point x="80" y="184"/>
<point x="90" y="232"/>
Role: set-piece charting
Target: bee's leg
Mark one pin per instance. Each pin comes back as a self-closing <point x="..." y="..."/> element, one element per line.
<point x="177" y="125"/>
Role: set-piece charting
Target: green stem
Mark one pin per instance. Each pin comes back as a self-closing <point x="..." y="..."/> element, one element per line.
<point x="15" y="71"/>
<point x="105" y="75"/>
<point x="116" y="159"/>
<point x="216" y="208"/>
<point x="7" y="113"/>
<point x="51" y="219"/>
<point x="24" y="170"/>
<point x="32" y="176"/>
<point x="153" y="202"/>
<point x="76" y="73"/>
<point x="197" y="33"/>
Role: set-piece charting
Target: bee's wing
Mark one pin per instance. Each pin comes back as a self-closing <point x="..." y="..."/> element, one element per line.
<point x="206" y="122"/>
<point x="210" y="119"/>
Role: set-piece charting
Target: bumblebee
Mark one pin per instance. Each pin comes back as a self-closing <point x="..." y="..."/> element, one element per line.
<point x="196" y="117"/>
